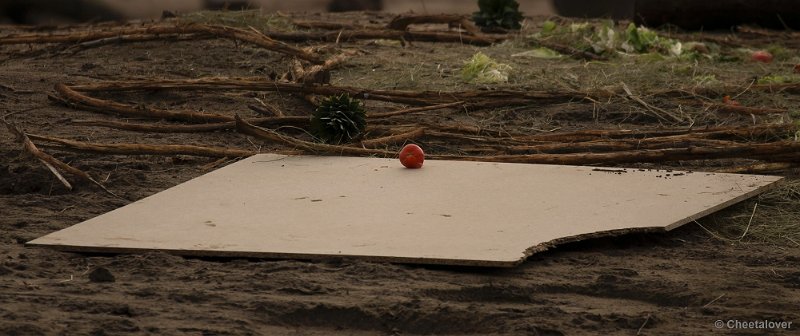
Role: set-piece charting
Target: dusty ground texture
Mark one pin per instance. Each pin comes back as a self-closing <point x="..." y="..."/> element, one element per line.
<point x="677" y="283"/>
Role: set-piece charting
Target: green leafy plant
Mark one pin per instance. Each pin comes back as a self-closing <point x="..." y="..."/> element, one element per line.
<point x="339" y="119"/>
<point x="498" y="13"/>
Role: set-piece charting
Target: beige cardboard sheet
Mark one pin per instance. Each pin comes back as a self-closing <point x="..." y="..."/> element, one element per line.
<point x="448" y="212"/>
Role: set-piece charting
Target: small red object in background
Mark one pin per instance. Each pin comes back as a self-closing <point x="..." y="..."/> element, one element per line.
<point x="797" y="68"/>
<point x="412" y="156"/>
<point x="761" y="56"/>
<point x="728" y="101"/>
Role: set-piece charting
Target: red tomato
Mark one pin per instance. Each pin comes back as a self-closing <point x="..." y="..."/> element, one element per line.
<point x="412" y="156"/>
<point x="761" y="56"/>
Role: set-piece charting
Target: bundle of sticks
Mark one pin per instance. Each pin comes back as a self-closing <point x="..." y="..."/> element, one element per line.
<point x="768" y="147"/>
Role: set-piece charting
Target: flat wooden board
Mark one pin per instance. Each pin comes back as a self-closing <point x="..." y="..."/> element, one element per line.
<point x="448" y="212"/>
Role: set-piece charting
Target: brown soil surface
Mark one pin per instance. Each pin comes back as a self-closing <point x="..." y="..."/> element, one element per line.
<point x="678" y="283"/>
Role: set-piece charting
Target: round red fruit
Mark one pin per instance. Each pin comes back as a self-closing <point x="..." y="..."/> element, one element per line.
<point x="412" y="156"/>
<point x="761" y="56"/>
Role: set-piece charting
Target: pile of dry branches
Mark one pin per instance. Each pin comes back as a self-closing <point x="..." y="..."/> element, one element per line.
<point x="769" y="145"/>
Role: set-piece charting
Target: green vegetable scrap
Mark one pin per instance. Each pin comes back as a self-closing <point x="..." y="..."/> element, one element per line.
<point x="482" y="69"/>
<point x="549" y="27"/>
<point x="693" y="51"/>
<point x="498" y="13"/>
<point x="641" y="39"/>
<point x="339" y="119"/>
<point x="727" y="58"/>
<point x="776" y="79"/>
<point x="705" y="80"/>
<point x="387" y="43"/>
<point x="540" y="52"/>
<point x="638" y="39"/>
<point x="605" y="40"/>
<point x="580" y="27"/>
<point x="797" y="133"/>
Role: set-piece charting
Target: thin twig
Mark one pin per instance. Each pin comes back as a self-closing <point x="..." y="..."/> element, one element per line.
<point x="74" y="49"/>
<point x="271" y="109"/>
<point x="710" y="232"/>
<point x="159" y="31"/>
<point x="745" y="151"/>
<point x="143" y="149"/>
<point x="401" y="22"/>
<point x="749" y="222"/>
<point x="388" y="34"/>
<point x="397" y="138"/>
<point x="246" y="128"/>
<point x="210" y="127"/>
<point x="746" y="110"/>
<point x="712" y="301"/>
<point x="44" y="158"/>
<point x="643" y="324"/>
<point x="745" y="89"/>
<point x="653" y="109"/>
<point x="477" y="98"/>
<point x="758" y="168"/>
<point x="106" y="106"/>
<point x="320" y="73"/>
<point x="51" y="162"/>
<point x="412" y="110"/>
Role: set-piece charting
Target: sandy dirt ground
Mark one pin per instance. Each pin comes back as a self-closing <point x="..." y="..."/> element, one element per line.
<point x="678" y="283"/>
